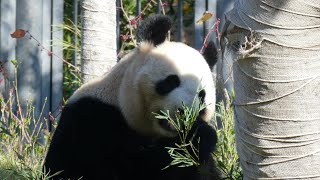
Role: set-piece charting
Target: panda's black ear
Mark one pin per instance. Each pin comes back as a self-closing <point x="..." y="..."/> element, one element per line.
<point x="210" y="54"/>
<point x="154" y="29"/>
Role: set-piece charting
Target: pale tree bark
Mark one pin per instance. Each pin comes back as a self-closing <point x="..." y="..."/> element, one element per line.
<point x="275" y="46"/>
<point x="98" y="43"/>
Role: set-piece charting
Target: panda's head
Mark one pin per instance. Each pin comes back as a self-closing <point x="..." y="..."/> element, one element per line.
<point x="162" y="75"/>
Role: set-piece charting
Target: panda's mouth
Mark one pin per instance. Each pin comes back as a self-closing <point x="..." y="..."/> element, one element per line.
<point x="165" y="124"/>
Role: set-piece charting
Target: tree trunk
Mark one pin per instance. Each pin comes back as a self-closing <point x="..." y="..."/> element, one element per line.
<point x="275" y="47"/>
<point x="98" y="43"/>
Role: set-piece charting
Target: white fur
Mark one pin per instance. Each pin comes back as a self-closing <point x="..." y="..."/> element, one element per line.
<point x="131" y="84"/>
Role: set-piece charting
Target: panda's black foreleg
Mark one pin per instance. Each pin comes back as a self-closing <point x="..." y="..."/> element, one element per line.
<point x="85" y="142"/>
<point x="208" y="139"/>
<point x="204" y="137"/>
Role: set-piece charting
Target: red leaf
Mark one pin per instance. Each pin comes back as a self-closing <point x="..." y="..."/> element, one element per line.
<point x="50" y="53"/>
<point x="19" y="33"/>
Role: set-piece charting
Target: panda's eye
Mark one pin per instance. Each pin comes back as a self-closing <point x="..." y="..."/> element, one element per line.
<point x="165" y="86"/>
<point x="202" y="95"/>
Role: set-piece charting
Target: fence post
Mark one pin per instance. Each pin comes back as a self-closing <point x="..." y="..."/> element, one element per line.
<point x="7" y="44"/>
<point x="199" y="9"/>
<point x="29" y="17"/>
<point x="118" y="28"/>
<point x="180" y="21"/>
<point x="57" y="64"/>
<point x="45" y="59"/>
<point x="138" y="7"/>
<point x="75" y="36"/>
<point x="159" y="7"/>
<point x="211" y="7"/>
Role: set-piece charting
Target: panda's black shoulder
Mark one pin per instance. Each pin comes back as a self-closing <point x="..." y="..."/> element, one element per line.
<point x="93" y="108"/>
<point x="92" y="112"/>
<point x="91" y="104"/>
<point x="93" y="118"/>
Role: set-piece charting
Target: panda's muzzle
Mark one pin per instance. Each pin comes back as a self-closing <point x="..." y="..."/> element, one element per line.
<point x="165" y="124"/>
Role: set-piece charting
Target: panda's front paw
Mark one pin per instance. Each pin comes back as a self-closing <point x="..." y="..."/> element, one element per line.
<point x="207" y="136"/>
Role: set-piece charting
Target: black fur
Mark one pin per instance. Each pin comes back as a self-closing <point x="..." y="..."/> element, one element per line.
<point x="154" y="29"/>
<point x="202" y="95"/>
<point x="93" y="140"/>
<point x="210" y="54"/>
<point x="165" y="86"/>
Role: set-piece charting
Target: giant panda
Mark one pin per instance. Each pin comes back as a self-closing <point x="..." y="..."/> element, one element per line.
<point x="108" y="129"/>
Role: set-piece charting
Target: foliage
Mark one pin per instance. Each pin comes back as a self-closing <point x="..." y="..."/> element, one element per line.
<point x="24" y="138"/>
<point x="185" y="153"/>
<point x="130" y="18"/>
<point x="226" y="154"/>
<point x="71" y="75"/>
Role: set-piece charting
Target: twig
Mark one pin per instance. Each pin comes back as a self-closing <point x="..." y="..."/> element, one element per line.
<point x="50" y="53"/>
<point x="214" y="28"/>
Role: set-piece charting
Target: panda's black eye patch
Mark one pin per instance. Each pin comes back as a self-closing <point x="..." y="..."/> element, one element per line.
<point x="165" y="86"/>
<point x="202" y="95"/>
